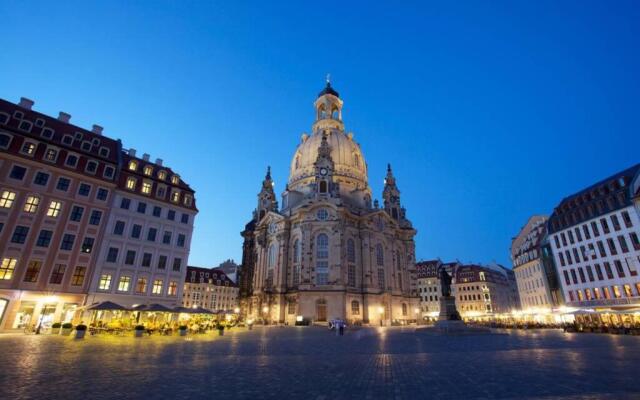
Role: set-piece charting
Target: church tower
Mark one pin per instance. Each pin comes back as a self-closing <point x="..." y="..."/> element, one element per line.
<point x="391" y="196"/>
<point x="324" y="168"/>
<point x="267" y="197"/>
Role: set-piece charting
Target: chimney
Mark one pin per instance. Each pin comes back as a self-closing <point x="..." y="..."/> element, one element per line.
<point x="132" y="152"/>
<point x="97" y="129"/>
<point x="25" y="103"/>
<point x="145" y="157"/>
<point x="159" y="162"/>
<point x="64" y="117"/>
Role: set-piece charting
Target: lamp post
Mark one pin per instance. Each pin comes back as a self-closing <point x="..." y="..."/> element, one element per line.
<point x="381" y="312"/>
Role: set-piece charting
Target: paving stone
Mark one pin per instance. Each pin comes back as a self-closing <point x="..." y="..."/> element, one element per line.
<point x="312" y="363"/>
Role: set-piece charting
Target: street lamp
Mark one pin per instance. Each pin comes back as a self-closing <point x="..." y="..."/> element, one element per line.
<point x="380" y="311"/>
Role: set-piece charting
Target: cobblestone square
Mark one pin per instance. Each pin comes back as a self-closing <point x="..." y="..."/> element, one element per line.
<point x="312" y="363"/>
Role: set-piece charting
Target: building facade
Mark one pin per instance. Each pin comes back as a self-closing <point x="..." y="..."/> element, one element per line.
<point x="57" y="182"/>
<point x="535" y="288"/>
<point x="593" y="235"/>
<point x="481" y="290"/>
<point x="210" y="288"/>
<point x="330" y="252"/>
<point x="62" y="189"/>
<point x="428" y="287"/>
<point x="143" y="257"/>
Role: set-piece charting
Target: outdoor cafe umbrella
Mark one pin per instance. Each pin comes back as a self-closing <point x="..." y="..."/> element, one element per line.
<point x="102" y="306"/>
<point x="192" y="310"/>
<point x="155" y="307"/>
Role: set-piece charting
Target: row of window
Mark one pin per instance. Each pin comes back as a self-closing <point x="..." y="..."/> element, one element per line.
<point x="605" y="293"/>
<point x="48" y="133"/>
<point x="20" y="234"/>
<point x="567" y="259"/>
<point x="52" y="153"/>
<point x="42" y="179"/>
<point x="146" y="187"/>
<point x="145" y="261"/>
<point x="32" y="274"/>
<point x="430" y="298"/>
<point x="148" y="171"/>
<point x="595" y="230"/>
<point x="631" y="264"/>
<point x="124" y="285"/>
<point x="598" y="207"/>
<point x="152" y="233"/>
<point x="531" y="301"/>
<point x="156" y="211"/>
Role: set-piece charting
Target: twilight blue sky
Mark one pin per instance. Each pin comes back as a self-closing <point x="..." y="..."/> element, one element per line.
<point x="489" y="113"/>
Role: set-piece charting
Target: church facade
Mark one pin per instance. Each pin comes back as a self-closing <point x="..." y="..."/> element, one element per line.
<point x="329" y="252"/>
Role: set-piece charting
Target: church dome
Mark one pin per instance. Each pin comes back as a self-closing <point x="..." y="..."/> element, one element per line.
<point x="350" y="166"/>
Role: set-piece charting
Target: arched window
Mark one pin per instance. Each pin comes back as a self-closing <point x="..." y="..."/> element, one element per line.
<point x="356" y="160"/>
<point x="351" y="275"/>
<point x="335" y="114"/>
<point x="351" y="250"/>
<point x="379" y="255"/>
<point x="322" y="249"/>
<point x="404" y="309"/>
<point x="355" y="307"/>
<point x="322" y="259"/>
<point x="323" y="186"/>
<point x="297" y="251"/>
<point x="322" y="112"/>
<point x="271" y="259"/>
<point x="381" y="278"/>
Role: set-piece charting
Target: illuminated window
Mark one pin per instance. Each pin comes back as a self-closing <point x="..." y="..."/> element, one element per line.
<point x="148" y="170"/>
<point x="131" y="183"/>
<point x="7" y="267"/>
<point x="141" y="286"/>
<point x="162" y="175"/>
<point x="31" y="205"/>
<point x="78" y="276"/>
<point x="7" y="199"/>
<point x="355" y="307"/>
<point x="173" y="288"/>
<point x="28" y="148"/>
<point x="105" y="282"/>
<point x="133" y="165"/>
<point x="51" y="155"/>
<point x="54" y="209"/>
<point x="175" y="179"/>
<point x="146" y="187"/>
<point x="157" y="286"/>
<point x="175" y="196"/>
<point x="123" y="285"/>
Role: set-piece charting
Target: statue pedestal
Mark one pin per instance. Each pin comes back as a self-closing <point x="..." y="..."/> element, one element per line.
<point x="448" y="310"/>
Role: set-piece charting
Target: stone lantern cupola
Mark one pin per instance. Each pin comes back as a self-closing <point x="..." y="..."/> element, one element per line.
<point x="328" y="107"/>
<point x="391" y="196"/>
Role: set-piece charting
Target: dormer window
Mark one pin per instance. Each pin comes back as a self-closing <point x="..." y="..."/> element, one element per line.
<point x="162" y="175"/>
<point x="86" y="146"/>
<point x="47" y="133"/>
<point x="104" y="152"/>
<point x="148" y="170"/>
<point x="188" y="200"/>
<point x="161" y="191"/>
<point x="133" y="165"/>
<point x="25" y="126"/>
<point x="175" y="179"/>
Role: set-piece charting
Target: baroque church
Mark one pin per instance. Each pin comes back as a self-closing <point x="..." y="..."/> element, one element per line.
<point x="328" y="252"/>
